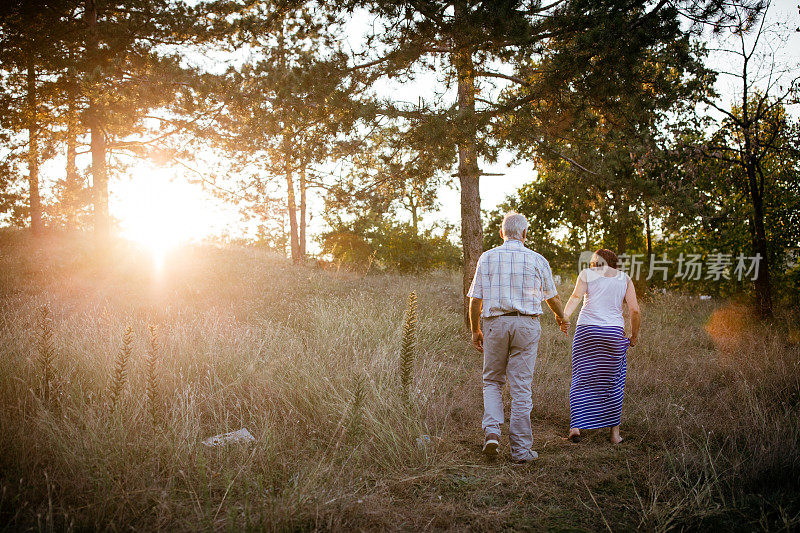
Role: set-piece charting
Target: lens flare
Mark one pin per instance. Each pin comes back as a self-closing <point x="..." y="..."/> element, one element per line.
<point x="727" y="326"/>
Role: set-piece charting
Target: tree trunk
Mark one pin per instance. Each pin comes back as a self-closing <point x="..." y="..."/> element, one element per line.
<point x="586" y="233"/>
<point x="303" y="211"/>
<point x="763" y="284"/>
<point x="72" y="186"/>
<point x="414" y="208"/>
<point x="33" y="154"/>
<point x="471" y="231"/>
<point x="622" y="241"/>
<point x="468" y="174"/>
<point x="292" y="209"/>
<point x="102" y="224"/>
<point x="622" y="218"/>
<point x="622" y="236"/>
<point x="294" y="239"/>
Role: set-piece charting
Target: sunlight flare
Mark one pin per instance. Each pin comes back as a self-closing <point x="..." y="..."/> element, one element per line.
<point x="160" y="210"/>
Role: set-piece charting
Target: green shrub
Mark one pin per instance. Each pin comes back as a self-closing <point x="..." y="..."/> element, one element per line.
<point x="395" y="247"/>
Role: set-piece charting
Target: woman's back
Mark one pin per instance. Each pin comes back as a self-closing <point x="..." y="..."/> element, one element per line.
<point x="602" y="303"/>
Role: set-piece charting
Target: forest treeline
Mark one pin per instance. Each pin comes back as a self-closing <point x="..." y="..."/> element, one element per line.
<point x="614" y="105"/>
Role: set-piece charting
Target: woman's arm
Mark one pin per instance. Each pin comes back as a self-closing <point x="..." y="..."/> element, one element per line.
<point x="633" y="309"/>
<point x="575" y="298"/>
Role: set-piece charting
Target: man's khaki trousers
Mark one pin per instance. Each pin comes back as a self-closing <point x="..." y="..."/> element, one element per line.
<point x="510" y="344"/>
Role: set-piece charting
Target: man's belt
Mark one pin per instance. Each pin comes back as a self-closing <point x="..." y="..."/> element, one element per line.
<point x="517" y="313"/>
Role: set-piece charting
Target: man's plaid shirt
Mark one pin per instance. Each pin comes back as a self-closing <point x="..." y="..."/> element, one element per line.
<point x="511" y="278"/>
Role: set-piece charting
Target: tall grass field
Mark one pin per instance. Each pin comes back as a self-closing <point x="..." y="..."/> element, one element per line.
<point x="365" y="404"/>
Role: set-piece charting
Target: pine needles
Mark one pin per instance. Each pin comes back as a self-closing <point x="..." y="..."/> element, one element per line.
<point x="120" y="376"/>
<point x="408" y="346"/>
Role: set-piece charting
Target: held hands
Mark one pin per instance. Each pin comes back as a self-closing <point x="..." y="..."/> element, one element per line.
<point x="633" y="340"/>
<point x="477" y="340"/>
<point x="563" y="323"/>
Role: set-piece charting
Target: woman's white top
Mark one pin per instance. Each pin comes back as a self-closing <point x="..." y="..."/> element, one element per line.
<point x="602" y="303"/>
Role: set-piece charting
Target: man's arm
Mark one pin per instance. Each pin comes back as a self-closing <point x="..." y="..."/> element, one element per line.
<point x="554" y="304"/>
<point x="475" y="306"/>
<point x="475" y="294"/>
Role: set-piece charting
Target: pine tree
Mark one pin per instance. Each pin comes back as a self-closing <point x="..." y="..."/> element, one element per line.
<point x="556" y="51"/>
<point x="31" y="40"/>
<point x="101" y="68"/>
<point x="291" y="106"/>
<point x="125" y="78"/>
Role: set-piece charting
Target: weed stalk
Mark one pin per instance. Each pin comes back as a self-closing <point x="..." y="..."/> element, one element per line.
<point x="408" y="346"/>
<point x="151" y="365"/>
<point x="120" y="376"/>
<point x="46" y="353"/>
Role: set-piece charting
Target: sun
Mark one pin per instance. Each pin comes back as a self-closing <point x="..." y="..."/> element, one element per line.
<point x="160" y="209"/>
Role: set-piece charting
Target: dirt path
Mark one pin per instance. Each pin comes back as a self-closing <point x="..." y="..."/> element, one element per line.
<point x="571" y="487"/>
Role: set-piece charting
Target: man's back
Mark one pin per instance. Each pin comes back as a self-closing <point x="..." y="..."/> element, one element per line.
<point x="512" y="278"/>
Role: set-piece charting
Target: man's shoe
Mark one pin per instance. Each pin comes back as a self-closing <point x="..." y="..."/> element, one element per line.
<point x="491" y="444"/>
<point x="519" y="462"/>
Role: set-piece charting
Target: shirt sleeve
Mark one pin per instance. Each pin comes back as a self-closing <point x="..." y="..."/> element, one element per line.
<point x="548" y="285"/>
<point x="476" y="289"/>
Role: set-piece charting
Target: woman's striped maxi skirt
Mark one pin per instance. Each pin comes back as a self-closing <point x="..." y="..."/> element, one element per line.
<point x="599" y="360"/>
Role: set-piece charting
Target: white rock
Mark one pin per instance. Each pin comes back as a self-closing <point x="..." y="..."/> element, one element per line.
<point x="240" y="435"/>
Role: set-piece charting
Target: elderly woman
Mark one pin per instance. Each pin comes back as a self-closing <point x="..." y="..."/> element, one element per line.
<point x="599" y="348"/>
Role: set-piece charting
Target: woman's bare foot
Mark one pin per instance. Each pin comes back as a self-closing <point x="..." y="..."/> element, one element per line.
<point x="574" y="435"/>
<point x="615" y="438"/>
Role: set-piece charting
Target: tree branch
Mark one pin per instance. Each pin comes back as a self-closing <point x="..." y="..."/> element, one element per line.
<point x="488" y="74"/>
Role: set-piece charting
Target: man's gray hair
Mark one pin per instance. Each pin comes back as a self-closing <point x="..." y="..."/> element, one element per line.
<point x="514" y="225"/>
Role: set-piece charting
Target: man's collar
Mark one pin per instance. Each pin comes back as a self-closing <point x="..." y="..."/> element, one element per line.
<point x="513" y="243"/>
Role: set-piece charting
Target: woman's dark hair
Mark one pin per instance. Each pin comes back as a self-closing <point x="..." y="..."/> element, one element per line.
<point x="609" y="257"/>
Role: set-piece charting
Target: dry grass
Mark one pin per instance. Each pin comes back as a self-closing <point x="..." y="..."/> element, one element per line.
<point x="307" y="360"/>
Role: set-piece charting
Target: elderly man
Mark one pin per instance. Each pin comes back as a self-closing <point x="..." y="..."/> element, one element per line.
<point x="507" y="292"/>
